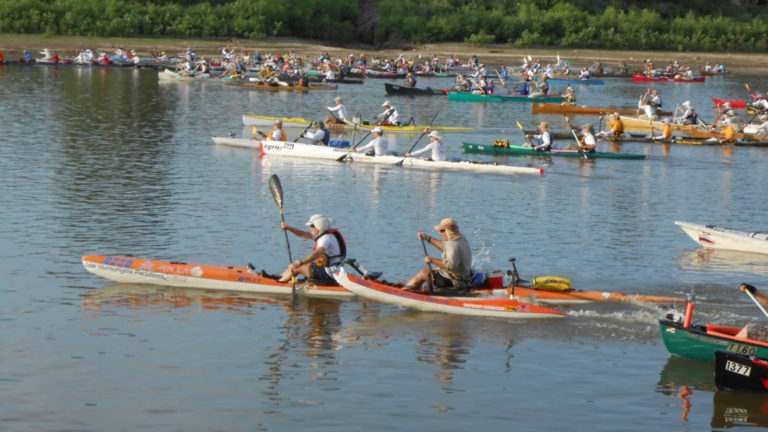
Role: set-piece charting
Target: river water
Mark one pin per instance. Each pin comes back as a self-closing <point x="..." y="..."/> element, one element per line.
<point x="111" y="161"/>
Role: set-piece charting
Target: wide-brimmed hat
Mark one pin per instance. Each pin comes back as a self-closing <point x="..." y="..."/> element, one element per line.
<point x="588" y="127"/>
<point x="278" y="122"/>
<point x="386" y="103"/>
<point x="446" y="223"/>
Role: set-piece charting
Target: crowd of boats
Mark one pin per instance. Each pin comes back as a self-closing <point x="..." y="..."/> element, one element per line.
<point x="740" y="362"/>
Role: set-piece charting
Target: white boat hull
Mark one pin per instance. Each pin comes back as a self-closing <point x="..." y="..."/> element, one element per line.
<point x="472" y="166"/>
<point x="472" y="306"/>
<point x="725" y="238"/>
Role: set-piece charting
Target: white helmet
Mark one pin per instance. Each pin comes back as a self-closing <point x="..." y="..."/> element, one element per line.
<point x="320" y="222"/>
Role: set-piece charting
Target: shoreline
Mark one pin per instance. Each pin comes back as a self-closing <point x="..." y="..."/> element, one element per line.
<point x="13" y="47"/>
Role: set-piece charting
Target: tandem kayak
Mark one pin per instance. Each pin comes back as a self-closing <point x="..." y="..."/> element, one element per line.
<point x="394" y="89"/>
<point x="516" y="150"/>
<point x="473" y="97"/>
<point x="125" y="269"/>
<point x="717" y="237"/>
<point x="268" y="121"/>
<point x="645" y="78"/>
<point x="474" y="306"/>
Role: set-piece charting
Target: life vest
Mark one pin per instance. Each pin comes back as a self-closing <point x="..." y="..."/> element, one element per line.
<point x="325" y="260"/>
<point x="283" y="136"/>
<point x="326" y="136"/>
<point x="618" y="128"/>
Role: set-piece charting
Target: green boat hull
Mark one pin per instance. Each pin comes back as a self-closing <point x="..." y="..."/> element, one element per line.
<point x="695" y="343"/>
<point x="515" y="150"/>
<point x="471" y="97"/>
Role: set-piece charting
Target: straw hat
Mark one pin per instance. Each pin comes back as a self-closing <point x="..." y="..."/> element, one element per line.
<point x="446" y="223"/>
<point x="386" y="103"/>
<point x="279" y="122"/>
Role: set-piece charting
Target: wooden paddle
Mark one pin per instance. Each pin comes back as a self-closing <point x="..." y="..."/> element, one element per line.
<point x="476" y="84"/>
<point x="400" y="162"/>
<point x="277" y="194"/>
<point x="503" y="83"/>
<point x="520" y="126"/>
<point x="343" y="157"/>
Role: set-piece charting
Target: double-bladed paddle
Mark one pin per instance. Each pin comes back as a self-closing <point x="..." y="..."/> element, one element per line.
<point x="345" y="155"/>
<point x="277" y="194"/>
<point x="400" y="162"/>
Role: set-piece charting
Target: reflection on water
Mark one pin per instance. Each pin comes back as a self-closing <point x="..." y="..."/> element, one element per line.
<point x="723" y="260"/>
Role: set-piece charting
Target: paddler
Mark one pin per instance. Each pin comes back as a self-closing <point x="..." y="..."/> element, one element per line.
<point x="587" y="143"/>
<point x="754" y="331"/>
<point x="615" y="127"/>
<point x="340" y="116"/>
<point x="277" y="134"/>
<point x="570" y="97"/>
<point x="328" y="254"/>
<point x="454" y="268"/>
<point x="544" y="138"/>
<point x="666" y="131"/>
<point x="436" y="146"/>
<point x="378" y="146"/>
<point x="320" y="135"/>
<point x="410" y="81"/>
<point x="389" y="117"/>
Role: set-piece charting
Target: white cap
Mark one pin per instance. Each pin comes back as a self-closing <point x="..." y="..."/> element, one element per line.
<point x="377" y="130"/>
<point x="435" y="135"/>
<point x="386" y="103"/>
<point x="320" y="222"/>
<point x="687" y="104"/>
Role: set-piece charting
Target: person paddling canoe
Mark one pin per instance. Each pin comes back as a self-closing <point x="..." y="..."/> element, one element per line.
<point x="378" y="146"/>
<point x="435" y="146"/>
<point x="588" y="143"/>
<point x="454" y="270"/>
<point x="329" y="252"/>
<point x="544" y="138"/>
<point x="338" y="113"/>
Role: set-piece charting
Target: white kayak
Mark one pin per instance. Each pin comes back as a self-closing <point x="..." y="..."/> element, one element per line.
<point x="313" y="151"/>
<point x="718" y="237"/>
<point x="474" y="306"/>
<point x="460" y="165"/>
<point x="169" y="75"/>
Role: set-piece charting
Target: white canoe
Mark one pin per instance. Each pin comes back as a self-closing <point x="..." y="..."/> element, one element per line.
<point x="312" y="151"/>
<point x="718" y="237"/>
<point x="482" y="306"/>
<point x="297" y="122"/>
<point x="459" y="165"/>
<point x="168" y="75"/>
<point x="132" y="270"/>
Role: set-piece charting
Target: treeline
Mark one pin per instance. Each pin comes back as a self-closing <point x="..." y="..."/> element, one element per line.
<point x="611" y="24"/>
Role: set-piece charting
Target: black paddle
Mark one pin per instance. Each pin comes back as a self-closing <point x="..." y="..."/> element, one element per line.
<point x="277" y="194"/>
<point x="400" y="162"/>
<point x="429" y="265"/>
<point x="344" y="156"/>
<point x="302" y="133"/>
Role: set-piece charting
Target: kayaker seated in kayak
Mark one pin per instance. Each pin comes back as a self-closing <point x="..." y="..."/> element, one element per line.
<point x="277" y="134"/>
<point x="689" y="116"/>
<point x="436" y="146"/>
<point x="666" y="131"/>
<point x="328" y="254"/>
<point x="762" y="129"/>
<point x="378" y="146"/>
<point x="320" y="135"/>
<point x="338" y="113"/>
<point x="410" y="81"/>
<point x="754" y="331"/>
<point x="389" y="117"/>
<point x="525" y="87"/>
<point x="542" y="88"/>
<point x="728" y="133"/>
<point x="588" y="143"/>
<point x="454" y="270"/>
<point x="570" y="97"/>
<point x="585" y="74"/>
<point x="544" y="138"/>
<point x="462" y="84"/>
<point x="615" y="127"/>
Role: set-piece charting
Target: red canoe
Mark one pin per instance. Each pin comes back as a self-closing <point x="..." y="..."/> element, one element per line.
<point x="735" y="104"/>
<point x="643" y="78"/>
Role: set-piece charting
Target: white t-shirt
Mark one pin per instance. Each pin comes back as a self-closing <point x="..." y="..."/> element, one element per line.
<point x="437" y="149"/>
<point x="379" y="145"/>
<point x="332" y="248"/>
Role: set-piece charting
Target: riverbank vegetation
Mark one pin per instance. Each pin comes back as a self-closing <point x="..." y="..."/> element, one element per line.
<point x="605" y="24"/>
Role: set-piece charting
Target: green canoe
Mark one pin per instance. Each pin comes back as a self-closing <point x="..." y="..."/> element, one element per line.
<point x="700" y="342"/>
<point x="472" y="97"/>
<point x="515" y="150"/>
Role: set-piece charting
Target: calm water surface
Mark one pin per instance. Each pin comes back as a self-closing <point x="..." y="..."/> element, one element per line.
<point x="112" y="161"/>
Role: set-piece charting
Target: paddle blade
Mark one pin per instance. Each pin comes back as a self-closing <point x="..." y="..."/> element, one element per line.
<point x="519" y="125"/>
<point x="749" y="89"/>
<point x="276" y="189"/>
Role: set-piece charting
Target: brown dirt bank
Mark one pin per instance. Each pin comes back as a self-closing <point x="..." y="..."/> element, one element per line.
<point x="13" y="47"/>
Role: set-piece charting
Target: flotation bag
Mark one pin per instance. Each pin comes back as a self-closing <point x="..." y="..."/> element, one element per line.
<point x="501" y="143"/>
<point x="339" y="144"/>
<point x="551" y="283"/>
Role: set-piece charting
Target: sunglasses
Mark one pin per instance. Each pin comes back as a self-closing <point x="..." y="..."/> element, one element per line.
<point x="442" y="230"/>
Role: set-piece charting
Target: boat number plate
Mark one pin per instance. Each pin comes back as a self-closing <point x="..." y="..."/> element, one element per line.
<point x="738" y="368"/>
<point x="741" y="348"/>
